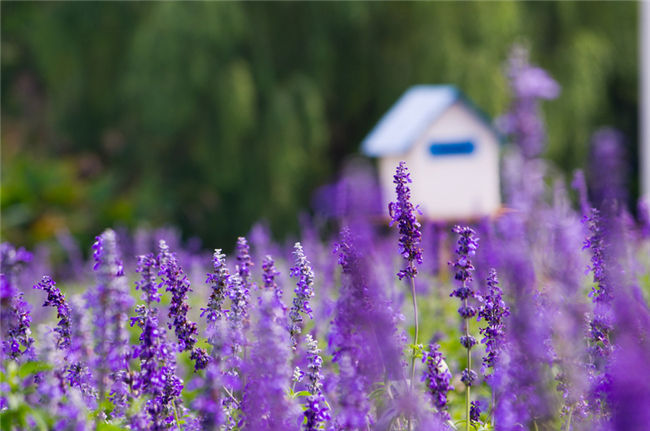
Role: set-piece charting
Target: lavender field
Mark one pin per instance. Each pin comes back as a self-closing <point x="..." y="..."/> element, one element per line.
<point x="357" y="332"/>
<point x="371" y="318"/>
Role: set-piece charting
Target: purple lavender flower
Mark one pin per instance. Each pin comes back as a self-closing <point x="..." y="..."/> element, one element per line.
<point x="475" y="412"/>
<point x="437" y="379"/>
<point x="265" y="405"/>
<point x="14" y="314"/>
<point x="208" y="403"/>
<point x="269" y="274"/>
<point x="363" y="316"/>
<point x="467" y="246"/>
<point x="608" y="169"/>
<point x="304" y="292"/>
<point x="362" y="339"/>
<point x="466" y="249"/>
<point x="157" y="376"/>
<point x="178" y="284"/>
<point x="353" y="400"/>
<point x="220" y="280"/>
<point x="245" y="263"/>
<point x="315" y="366"/>
<point x="110" y="302"/>
<point x="575" y="404"/>
<point x="238" y="317"/>
<point x="528" y="85"/>
<point x="601" y="292"/>
<point x="147" y="265"/>
<point x="57" y="299"/>
<point x="18" y="332"/>
<point x="493" y="310"/>
<point x="12" y="262"/>
<point x="601" y="324"/>
<point x="317" y="411"/>
<point x="403" y="213"/>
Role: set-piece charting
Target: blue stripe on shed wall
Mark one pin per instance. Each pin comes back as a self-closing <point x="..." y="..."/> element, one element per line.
<point x="451" y="148"/>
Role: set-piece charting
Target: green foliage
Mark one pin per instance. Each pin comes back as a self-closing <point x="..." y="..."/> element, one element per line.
<point x="19" y="413"/>
<point x="212" y="115"/>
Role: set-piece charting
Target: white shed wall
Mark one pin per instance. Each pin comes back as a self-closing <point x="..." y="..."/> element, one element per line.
<point x="452" y="186"/>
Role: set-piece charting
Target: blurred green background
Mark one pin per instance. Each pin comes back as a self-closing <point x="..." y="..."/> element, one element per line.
<point x="210" y="116"/>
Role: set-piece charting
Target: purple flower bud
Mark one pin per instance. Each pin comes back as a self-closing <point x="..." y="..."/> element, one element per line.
<point x="475" y="412"/>
<point x="468" y="377"/>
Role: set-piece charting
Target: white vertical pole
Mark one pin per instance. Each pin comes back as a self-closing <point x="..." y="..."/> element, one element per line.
<point x="644" y="102"/>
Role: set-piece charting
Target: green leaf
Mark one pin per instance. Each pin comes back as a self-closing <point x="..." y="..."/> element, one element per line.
<point x="30" y="368"/>
<point x="105" y="426"/>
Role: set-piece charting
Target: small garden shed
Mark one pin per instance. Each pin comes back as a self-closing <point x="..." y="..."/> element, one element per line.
<point x="450" y="149"/>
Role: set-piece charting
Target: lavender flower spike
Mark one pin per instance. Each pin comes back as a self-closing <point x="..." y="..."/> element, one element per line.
<point x="18" y="330"/>
<point x="403" y="212"/>
<point x="56" y="299"/>
<point x="317" y="411"/>
<point x="467" y="246"/>
<point x="220" y="280"/>
<point x="110" y="302"/>
<point x="178" y="284"/>
<point x="437" y="379"/>
<point x="315" y="365"/>
<point x="304" y="292"/>
<point x="494" y="311"/>
<point x="245" y="262"/>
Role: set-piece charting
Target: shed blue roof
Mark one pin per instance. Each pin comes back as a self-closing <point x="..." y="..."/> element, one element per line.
<point x="408" y="118"/>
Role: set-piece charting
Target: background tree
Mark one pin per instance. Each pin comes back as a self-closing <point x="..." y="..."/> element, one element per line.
<point x="213" y="115"/>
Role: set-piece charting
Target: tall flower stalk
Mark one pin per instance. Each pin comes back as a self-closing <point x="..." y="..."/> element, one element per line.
<point x="317" y="411"/>
<point x="178" y="284"/>
<point x="601" y="323"/>
<point x="467" y="245"/>
<point x="494" y="311"/>
<point x="14" y="312"/>
<point x="57" y="300"/>
<point x="110" y="301"/>
<point x="304" y="292"/>
<point x="402" y="212"/>
<point x="220" y="280"/>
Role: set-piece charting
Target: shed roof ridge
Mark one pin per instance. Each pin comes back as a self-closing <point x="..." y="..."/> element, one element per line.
<point x="408" y="118"/>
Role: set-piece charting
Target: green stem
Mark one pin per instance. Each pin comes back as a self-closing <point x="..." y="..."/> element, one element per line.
<point x="417" y="330"/>
<point x="415" y="337"/>
<point x="178" y="424"/>
<point x="568" y="422"/>
<point x="469" y="368"/>
<point x="494" y="400"/>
